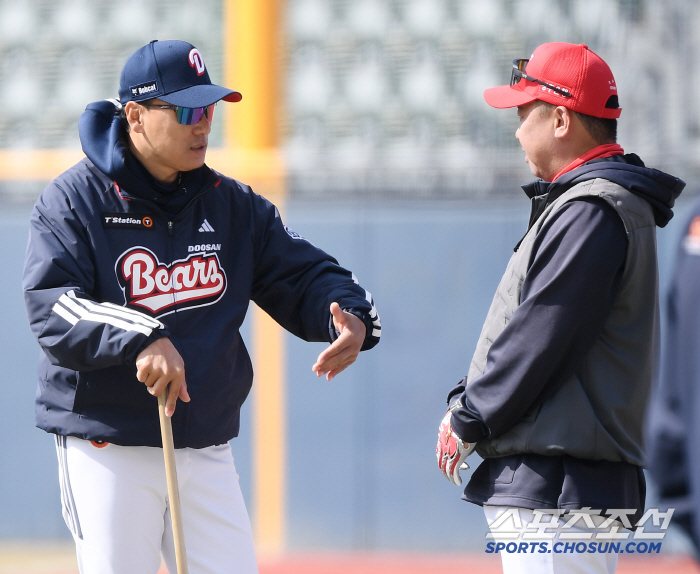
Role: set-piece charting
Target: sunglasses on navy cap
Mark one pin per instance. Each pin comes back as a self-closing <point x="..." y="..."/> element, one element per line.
<point x="518" y="73"/>
<point x="186" y="116"/>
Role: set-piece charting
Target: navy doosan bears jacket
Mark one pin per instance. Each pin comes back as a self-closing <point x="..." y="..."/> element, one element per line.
<point x="115" y="261"/>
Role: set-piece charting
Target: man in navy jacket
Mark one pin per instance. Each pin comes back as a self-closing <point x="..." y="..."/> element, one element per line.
<point x="140" y="268"/>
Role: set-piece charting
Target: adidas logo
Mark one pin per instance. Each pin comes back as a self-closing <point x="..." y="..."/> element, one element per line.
<point x="206" y="226"/>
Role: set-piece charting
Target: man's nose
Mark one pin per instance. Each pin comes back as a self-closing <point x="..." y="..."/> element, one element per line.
<point x="204" y="125"/>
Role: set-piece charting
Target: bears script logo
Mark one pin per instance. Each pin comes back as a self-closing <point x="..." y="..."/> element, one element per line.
<point x="162" y="289"/>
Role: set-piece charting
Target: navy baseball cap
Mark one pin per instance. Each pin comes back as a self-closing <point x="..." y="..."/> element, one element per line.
<point x="172" y="71"/>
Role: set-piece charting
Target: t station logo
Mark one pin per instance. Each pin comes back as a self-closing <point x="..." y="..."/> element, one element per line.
<point x="162" y="289"/>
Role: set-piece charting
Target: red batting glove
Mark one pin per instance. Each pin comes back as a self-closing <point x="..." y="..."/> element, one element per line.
<point x="452" y="451"/>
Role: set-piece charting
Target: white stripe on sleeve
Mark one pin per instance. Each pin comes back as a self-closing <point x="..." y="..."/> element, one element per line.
<point x="74" y="309"/>
<point x="65" y="313"/>
<point x="116" y="311"/>
<point x="376" y="322"/>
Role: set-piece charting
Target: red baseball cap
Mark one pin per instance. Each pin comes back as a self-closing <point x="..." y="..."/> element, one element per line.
<point x="558" y="67"/>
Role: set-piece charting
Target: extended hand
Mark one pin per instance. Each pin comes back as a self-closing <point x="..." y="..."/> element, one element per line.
<point x="452" y="451"/>
<point x="344" y="350"/>
<point x="160" y="365"/>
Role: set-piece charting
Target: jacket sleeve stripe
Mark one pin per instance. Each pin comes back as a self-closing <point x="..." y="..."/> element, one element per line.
<point x="116" y="311"/>
<point x="133" y="315"/>
<point x="376" y="322"/>
<point x="65" y="313"/>
<point x="84" y="315"/>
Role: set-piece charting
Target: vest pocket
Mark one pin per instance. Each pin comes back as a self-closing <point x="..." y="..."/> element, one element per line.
<point x="500" y="470"/>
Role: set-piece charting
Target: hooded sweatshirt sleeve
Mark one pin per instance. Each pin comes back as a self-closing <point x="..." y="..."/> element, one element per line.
<point x="75" y="331"/>
<point x="567" y="294"/>
<point x="295" y="282"/>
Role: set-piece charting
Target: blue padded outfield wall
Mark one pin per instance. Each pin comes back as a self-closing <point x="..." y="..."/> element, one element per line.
<point x="361" y="449"/>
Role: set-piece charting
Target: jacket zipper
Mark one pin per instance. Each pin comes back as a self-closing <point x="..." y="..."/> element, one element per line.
<point x="181" y="213"/>
<point x="171" y="224"/>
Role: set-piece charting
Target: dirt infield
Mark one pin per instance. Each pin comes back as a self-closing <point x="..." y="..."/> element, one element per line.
<point x="456" y="563"/>
<point x="57" y="558"/>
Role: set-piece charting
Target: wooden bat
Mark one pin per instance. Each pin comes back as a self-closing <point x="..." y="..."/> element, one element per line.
<point x="166" y="431"/>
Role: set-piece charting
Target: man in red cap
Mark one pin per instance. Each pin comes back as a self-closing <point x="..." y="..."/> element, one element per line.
<point x="555" y="395"/>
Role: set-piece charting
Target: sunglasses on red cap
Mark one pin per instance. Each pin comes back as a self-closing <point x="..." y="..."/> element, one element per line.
<point x="186" y="116"/>
<point x="518" y="73"/>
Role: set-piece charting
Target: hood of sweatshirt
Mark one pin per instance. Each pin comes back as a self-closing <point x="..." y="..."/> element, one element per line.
<point x="656" y="187"/>
<point x="105" y="143"/>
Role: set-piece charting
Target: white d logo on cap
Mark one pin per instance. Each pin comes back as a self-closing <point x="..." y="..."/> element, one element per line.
<point x="196" y="61"/>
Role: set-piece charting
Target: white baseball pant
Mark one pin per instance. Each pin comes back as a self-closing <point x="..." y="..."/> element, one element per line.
<point x="552" y="562"/>
<point x="115" y="503"/>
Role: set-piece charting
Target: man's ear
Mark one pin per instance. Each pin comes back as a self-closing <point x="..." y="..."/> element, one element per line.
<point x="133" y="117"/>
<point x="563" y="119"/>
